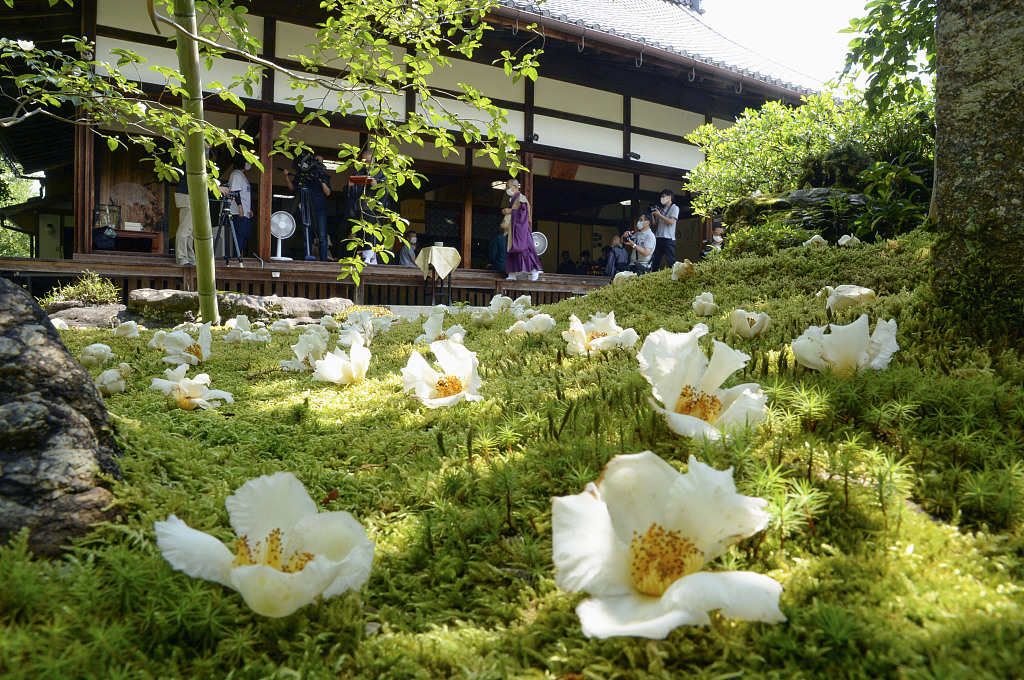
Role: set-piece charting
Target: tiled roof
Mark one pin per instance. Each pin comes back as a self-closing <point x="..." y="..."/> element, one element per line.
<point x="671" y="26"/>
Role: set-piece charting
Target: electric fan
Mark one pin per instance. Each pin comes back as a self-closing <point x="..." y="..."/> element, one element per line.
<point x="282" y="226"/>
<point x="540" y="242"/>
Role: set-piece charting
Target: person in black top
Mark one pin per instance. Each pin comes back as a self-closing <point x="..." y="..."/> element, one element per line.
<point x="359" y="209"/>
<point x="318" y="184"/>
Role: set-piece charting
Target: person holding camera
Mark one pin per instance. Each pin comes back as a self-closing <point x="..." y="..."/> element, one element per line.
<point x="239" y="191"/>
<point x="309" y="180"/>
<point x="641" y="242"/>
<point x="666" y="214"/>
<point x="359" y="209"/>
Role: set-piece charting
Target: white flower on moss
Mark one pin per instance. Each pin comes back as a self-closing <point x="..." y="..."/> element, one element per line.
<point x="500" y="303"/>
<point x="521" y="313"/>
<point x="623" y="277"/>
<point x="689" y="386"/>
<point x="59" y="324"/>
<point x="748" y="324"/>
<point x="127" y="329"/>
<point x="329" y="322"/>
<point x="181" y="348"/>
<point x="432" y="330"/>
<point x="95" y="354"/>
<point x="113" y="380"/>
<point x="816" y="241"/>
<point x="459" y="381"/>
<point x="287" y="553"/>
<point x="261" y="334"/>
<point x="682" y="270"/>
<point x="157" y="341"/>
<point x="637" y="539"/>
<point x="847" y="349"/>
<point x="241" y="322"/>
<point x="483" y="317"/>
<point x="841" y="298"/>
<point x="362" y="323"/>
<point x="600" y="333"/>
<point x="524" y="301"/>
<point x="316" y="329"/>
<point x="534" y="325"/>
<point x="848" y="240"/>
<point x="190" y="393"/>
<point x="344" y="368"/>
<point x="310" y="348"/>
<point x="704" y="305"/>
<point x="282" y="326"/>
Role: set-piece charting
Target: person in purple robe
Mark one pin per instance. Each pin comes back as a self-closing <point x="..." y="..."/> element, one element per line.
<point x="522" y="255"/>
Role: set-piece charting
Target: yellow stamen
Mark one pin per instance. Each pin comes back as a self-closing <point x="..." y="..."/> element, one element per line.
<point x="659" y="558"/>
<point x="271" y="556"/>
<point x="699" y="405"/>
<point x="594" y="335"/>
<point x="195" y="350"/>
<point x="751" y="321"/>
<point x="448" y="385"/>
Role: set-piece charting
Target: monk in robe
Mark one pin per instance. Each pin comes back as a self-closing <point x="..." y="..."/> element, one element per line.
<point x="521" y="255"/>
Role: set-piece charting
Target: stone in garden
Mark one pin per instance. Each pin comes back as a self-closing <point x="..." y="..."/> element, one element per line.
<point x="171" y="305"/>
<point x="55" y="432"/>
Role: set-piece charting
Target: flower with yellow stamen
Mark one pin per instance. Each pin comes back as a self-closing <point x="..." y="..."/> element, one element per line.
<point x="287" y="553"/>
<point x="748" y="324"/>
<point x="459" y="380"/>
<point x="637" y="538"/>
<point x="689" y="386"/>
<point x="181" y="348"/>
<point x="598" y="334"/>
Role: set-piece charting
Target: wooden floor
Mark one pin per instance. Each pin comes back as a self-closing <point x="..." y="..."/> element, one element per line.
<point x="379" y="284"/>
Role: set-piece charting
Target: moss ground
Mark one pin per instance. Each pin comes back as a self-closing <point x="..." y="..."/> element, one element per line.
<point x="896" y="500"/>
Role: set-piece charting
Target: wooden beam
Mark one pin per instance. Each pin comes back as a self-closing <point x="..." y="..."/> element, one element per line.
<point x="266" y="186"/>
<point x="467" y="222"/>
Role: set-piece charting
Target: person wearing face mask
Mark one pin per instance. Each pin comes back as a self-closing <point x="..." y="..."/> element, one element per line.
<point x="521" y="255"/>
<point x="665" y="218"/>
<point x="642" y="242"/>
<point x="241" y="210"/>
<point x="714" y="246"/>
<point x="407" y="253"/>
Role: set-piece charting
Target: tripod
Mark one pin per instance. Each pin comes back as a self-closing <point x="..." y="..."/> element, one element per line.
<point x="224" y="220"/>
<point x="306" y="212"/>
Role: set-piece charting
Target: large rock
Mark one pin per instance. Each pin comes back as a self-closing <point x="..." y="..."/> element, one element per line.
<point x="55" y="434"/>
<point x="172" y="305"/>
<point x="821" y="197"/>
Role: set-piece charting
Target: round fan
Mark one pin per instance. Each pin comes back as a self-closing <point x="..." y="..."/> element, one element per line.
<point x="540" y="242"/>
<point x="282" y="225"/>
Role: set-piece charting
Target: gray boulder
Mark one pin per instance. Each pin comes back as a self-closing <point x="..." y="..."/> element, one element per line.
<point x="54" y="432"/>
<point x="820" y="197"/>
<point x="172" y="305"/>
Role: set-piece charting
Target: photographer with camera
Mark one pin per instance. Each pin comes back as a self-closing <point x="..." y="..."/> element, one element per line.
<point x="641" y="242"/>
<point x="311" y="183"/>
<point x="239" y="192"/>
<point x="666" y="214"/>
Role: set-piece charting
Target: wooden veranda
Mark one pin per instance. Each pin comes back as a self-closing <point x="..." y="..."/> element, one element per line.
<point x="379" y="284"/>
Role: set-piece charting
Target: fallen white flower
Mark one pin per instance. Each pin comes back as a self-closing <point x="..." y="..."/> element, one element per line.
<point x="95" y="354"/>
<point x="690" y="386"/>
<point x="310" y="348"/>
<point x="500" y="303"/>
<point x="282" y="326"/>
<point x="848" y="240"/>
<point x="623" y="277"/>
<point x="329" y="322"/>
<point x="316" y="329"/>
<point x="683" y="269"/>
<point x="190" y="393"/>
<point x="637" y="539"/>
<point x="261" y="334"/>
<point x="484" y="317"/>
<point x="128" y="329"/>
<point x="287" y="553"/>
<point x="112" y="380"/>
<point x="59" y="324"/>
<point x="241" y="322"/>
<point x="341" y="368"/>
<point x="704" y="305"/>
<point x="816" y="240"/>
<point x="848" y="348"/>
<point x="534" y="325"/>
<point x="459" y="381"/>
<point x="521" y="313"/>
<point x="157" y="341"/>
<point x="600" y="333"/>
<point x="432" y="330"/>
<point x="748" y="324"/>
<point x="180" y="348"/>
<point x="843" y="297"/>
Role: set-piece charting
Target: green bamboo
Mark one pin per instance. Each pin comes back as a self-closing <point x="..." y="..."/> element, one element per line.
<point x="195" y="162"/>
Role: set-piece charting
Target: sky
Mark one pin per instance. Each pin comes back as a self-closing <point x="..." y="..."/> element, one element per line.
<point x="800" y="34"/>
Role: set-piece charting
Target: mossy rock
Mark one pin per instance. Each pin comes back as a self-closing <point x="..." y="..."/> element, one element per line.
<point x="747" y="209"/>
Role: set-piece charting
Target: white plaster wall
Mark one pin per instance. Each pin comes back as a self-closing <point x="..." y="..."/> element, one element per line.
<point x="463" y="111"/>
<point x="585" y="101"/>
<point x="490" y="80"/>
<point x="577" y="136"/>
<point x="133" y="15"/>
<point x="663" y="152"/>
<point x="663" y="118"/>
<point x="610" y="178"/>
<point x="224" y="70"/>
<point x="722" y="124"/>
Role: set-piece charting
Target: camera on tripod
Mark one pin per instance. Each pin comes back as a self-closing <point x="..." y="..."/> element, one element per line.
<point x="309" y="170"/>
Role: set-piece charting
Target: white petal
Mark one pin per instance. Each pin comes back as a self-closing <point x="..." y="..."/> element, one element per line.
<point x="432" y="327"/>
<point x="846" y="347"/>
<point x="340" y="538"/>
<point x="688" y="426"/>
<point x="456" y="360"/>
<point x="454" y="399"/>
<point x="197" y="554"/>
<point x="635" y="488"/>
<point x="742" y="405"/>
<point x="631" y="615"/>
<point x="667" y="354"/>
<point x="809" y="348"/>
<point x="883" y="344"/>
<point x="274" y="593"/>
<point x="419" y="376"/>
<point x="540" y="324"/>
<point x="585" y="549"/>
<point x="843" y="297"/>
<point x="741" y="595"/>
<point x="724" y="362"/>
<point x="518" y="328"/>
<point x="266" y="503"/>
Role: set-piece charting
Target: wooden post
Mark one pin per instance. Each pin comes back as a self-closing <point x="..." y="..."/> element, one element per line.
<point x="526" y="184"/>
<point x="266" y="186"/>
<point x="467" y="221"/>
<point x="84" y="196"/>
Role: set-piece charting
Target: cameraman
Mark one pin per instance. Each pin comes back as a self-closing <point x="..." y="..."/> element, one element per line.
<point x="642" y="242"/>
<point x="665" y="215"/>
<point x="318" y="182"/>
<point x="239" y="192"/>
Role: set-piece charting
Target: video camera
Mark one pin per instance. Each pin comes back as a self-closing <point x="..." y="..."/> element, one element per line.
<point x="308" y="169"/>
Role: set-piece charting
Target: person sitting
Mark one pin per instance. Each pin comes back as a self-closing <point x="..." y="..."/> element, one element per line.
<point x="618" y="258"/>
<point x="566" y="266"/>
<point x="407" y="253"/>
<point x="642" y="242"/>
<point x="585" y="264"/>
<point x="714" y="246"/>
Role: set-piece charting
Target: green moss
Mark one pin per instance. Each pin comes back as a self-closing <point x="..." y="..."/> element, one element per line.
<point x="458" y="501"/>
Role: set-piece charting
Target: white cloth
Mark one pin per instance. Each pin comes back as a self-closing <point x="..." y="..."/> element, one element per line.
<point x="667" y="230"/>
<point x="240" y="183"/>
<point x="443" y="259"/>
<point x="643" y="239"/>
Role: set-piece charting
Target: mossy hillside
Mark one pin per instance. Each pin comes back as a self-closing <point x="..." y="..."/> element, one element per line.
<point x="458" y="502"/>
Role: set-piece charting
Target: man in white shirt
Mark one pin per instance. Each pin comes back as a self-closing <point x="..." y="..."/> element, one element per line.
<point x="642" y="243"/>
<point x="241" y="211"/>
<point x="665" y="230"/>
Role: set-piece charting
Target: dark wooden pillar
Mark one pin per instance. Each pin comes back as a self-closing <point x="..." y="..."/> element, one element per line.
<point x="85" y="187"/>
<point x="526" y="184"/>
<point x="467" y="221"/>
<point x="266" y="186"/>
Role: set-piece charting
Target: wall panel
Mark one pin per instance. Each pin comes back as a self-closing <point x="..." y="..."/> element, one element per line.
<point x="578" y="137"/>
<point x="663" y="152"/>
<point x="663" y="118"/>
<point x="585" y="101"/>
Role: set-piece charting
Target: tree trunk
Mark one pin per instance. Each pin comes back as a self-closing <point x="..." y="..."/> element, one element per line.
<point x="979" y="258"/>
<point x="195" y="163"/>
